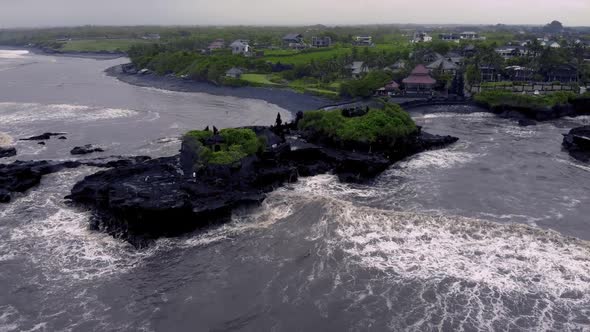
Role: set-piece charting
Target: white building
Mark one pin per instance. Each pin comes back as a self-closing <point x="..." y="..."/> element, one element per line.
<point x="422" y="37"/>
<point x="240" y="47"/>
<point x="470" y="35"/>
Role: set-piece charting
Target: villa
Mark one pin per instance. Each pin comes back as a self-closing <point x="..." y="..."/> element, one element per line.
<point x="363" y="41"/>
<point x="325" y="41"/>
<point x="421" y="37"/>
<point x="445" y="65"/>
<point x="241" y="47"/>
<point x="419" y="81"/>
<point x="294" y="40"/>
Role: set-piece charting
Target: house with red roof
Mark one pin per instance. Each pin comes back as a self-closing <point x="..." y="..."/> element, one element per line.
<point x="419" y="81"/>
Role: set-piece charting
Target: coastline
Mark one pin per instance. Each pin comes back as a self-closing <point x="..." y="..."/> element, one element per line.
<point x="83" y="55"/>
<point x="284" y="98"/>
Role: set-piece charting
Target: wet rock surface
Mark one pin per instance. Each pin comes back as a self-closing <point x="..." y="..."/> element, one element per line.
<point x="86" y="149"/>
<point x="165" y="197"/>
<point x="6" y="152"/>
<point x="577" y="143"/>
<point x="42" y="137"/>
<point x="21" y="176"/>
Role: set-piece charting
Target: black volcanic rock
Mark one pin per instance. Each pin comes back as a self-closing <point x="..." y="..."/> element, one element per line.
<point x="21" y="176"/>
<point x="86" y="149"/>
<point x="42" y="137"/>
<point x="168" y="196"/>
<point x="62" y="138"/>
<point x="7" y="152"/>
<point x="577" y="143"/>
<point x="527" y="122"/>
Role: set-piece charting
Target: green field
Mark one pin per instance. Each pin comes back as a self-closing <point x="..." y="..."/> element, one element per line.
<point x="98" y="45"/>
<point x="299" y="58"/>
<point x="304" y="57"/>
<point x="257" y="79"/>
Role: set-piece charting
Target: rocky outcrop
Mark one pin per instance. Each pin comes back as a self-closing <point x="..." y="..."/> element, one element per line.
<point x="42" y="137"/>
<point x="86" y="149"/>
<point x="6" y="152"/>
<point x="21" y="176"/>
<point x="577" y="143"/>
<point x="168" y="196"/>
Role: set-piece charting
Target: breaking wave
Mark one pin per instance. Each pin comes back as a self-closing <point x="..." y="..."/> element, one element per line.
<point x="449" y="272"/>
<point x="26" y="113"/>
<point x="65" y="248"/>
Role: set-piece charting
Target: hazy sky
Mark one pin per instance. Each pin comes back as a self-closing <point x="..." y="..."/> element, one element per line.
<point x="20" y="13"/>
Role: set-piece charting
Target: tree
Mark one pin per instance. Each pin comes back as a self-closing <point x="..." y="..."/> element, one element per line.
<point x="472" y="75"/>
<point x="554" y="27"/>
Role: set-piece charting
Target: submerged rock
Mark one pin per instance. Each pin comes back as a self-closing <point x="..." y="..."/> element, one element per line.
<point x="86" y="149"/>
<point x="527" y="122"/>
<point x="577" y="143"/>
<point x="168" y="196"/>
<point x="6" y="152"/>
<point x="42" y="137"/>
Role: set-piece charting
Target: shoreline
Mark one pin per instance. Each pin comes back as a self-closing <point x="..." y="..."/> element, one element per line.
<point x="73" y="54"/>
<point x="290" y="100"/>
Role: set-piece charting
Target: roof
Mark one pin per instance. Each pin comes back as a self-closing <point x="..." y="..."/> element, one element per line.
<point x="239" y="42"/>
<point x="419" y="76"/>
<point x="444" y="64"/>
<point x="391" y="86"/>
<point x="420" y="70"/>
<point x="292" y="36"/>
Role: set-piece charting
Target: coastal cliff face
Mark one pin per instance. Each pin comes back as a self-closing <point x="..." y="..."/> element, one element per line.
<point x="577" y="143"/>
<point x="170" y="196"/>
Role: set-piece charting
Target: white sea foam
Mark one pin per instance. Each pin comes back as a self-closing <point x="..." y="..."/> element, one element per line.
<point x="13" y="54"/>
<point x="442" y="114"/>
<point x="443" y="158"/>
<point x="65" y="248"/>
<point x="5" y="139"/>
<point x="508" y="260"/>
<point x="462" y="272"/>
<point x="25" y="113"/>
<point x="272" y="210"/>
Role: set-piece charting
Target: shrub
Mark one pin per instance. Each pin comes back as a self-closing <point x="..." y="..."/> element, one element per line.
<point x="366" y="86"/>
<point x="378" y="125"/>
<point x="237" y="144"/>
<point x="506" y="98"/>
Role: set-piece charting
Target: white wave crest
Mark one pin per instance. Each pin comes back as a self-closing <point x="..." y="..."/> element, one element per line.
<point x="65" y="248"/>
<point x="19" y="113"/>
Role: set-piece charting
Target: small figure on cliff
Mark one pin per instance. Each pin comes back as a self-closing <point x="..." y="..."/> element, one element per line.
<point x="207" y="128"/>
<point x="215" y="131"/>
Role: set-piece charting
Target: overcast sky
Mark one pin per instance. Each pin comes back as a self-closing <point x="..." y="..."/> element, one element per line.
<point x="22" y="13"/>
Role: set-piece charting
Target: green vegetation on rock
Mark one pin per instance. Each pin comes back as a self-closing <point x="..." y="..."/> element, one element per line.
<point x="377" y="125"/>
<point x="510" y="99"/>
<point x="233" y="145"/>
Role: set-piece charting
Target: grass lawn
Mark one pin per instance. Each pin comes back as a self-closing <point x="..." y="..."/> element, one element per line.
<point x="97" y="45"/>
<point x="258" y="79"/>
<point x="298" y="58"/>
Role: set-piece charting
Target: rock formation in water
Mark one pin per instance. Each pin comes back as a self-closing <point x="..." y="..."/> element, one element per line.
<point x="577" y="143"/>
<point x="173" y="195"/>
<point x="86" y="149"/>
<point x="42" y="137"/>
<point x="6" y="152"/>
<point x="21" y="176"/>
